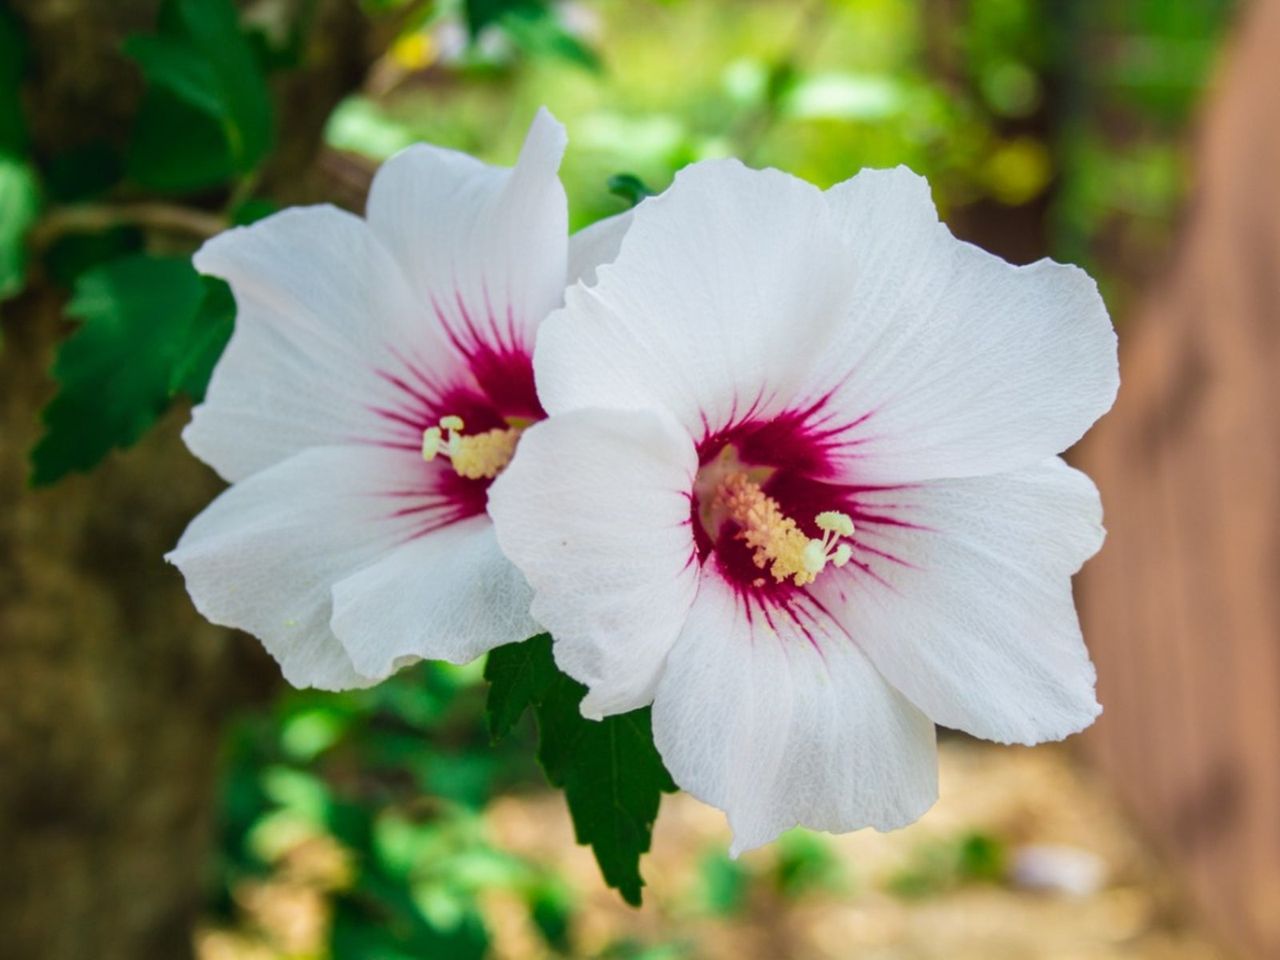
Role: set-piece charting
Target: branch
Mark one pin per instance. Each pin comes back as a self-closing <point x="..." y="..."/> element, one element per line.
<point x="94" y="217"/>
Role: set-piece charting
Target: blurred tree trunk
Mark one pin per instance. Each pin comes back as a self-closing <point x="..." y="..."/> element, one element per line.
<point x="1182" y="607"/>
<point x="114" y="692"/>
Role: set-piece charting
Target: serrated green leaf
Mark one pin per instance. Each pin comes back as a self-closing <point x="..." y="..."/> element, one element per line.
<point x="142" y="318"/>
<point x="19" y="206"/>
<point x="519" y="675"/>
<point x="206" y="339"/>
<point x="207" y="113"/>
<point x="612" y="776"/>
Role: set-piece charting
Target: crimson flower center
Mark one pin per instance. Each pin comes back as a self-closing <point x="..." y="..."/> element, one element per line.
<point x="734" y="510"/>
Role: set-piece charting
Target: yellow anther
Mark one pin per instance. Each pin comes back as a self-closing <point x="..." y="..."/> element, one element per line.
<point x="431" y="440"/>
<point x="482" y="456"/>
<point x="779" y="544"/>
<point x="833" y="521"/>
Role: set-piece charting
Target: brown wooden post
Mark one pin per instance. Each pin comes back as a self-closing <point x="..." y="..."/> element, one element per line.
<point x="1182" y="607"/>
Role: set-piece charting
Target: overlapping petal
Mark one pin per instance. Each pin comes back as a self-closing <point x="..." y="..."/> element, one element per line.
<point x="325" y="324"/>
<point x="779" y="719"/>
<point x="596" y="245"/>
<point x="265" y="555"/>
<point x="484" y="247"/>
<point x="449" y="595"/>
<point x="595" y="511"/>
<point x="722" y="290"/>
<point x="961" y="596"/>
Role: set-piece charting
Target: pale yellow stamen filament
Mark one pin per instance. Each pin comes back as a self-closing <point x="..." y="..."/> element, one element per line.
<point x="779" y="544"/>
<point x="482" y="456"/>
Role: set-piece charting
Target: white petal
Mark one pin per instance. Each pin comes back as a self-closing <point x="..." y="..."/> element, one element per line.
<point x="449" y="595"/>
<point x="779" y="723"/>
<point x="596" y="245"/>
<point x="594" y="510"/>
<point x="325" y="325"/>
<point x="961" y="363"/>
<point x="960" y="592"/>
<point x="723" y="289"/>
<point x="264" y="556"/>
<point x="485" y="245"/>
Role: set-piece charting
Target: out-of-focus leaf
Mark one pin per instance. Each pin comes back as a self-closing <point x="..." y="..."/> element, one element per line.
<point x="723" y="883"/>
<point x="19" y="205"/>
<point x="73" y="254"/>
<point x="149" y="326"/>
<point x="539" y="33"/>
<point x="629" y="187"/>
<point x="19" y="188"/>
<point x="207" y="114"/>
<point x="610" y="771"/>
<point x="481" y="13"/>
<point x="805" y="863"/>
<point x="206" y="339"/>
<point x="13" y="60"/>
<point x="534" y="27"/>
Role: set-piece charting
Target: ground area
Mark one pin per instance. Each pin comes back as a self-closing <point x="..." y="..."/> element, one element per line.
<point x="1025" y="857"/>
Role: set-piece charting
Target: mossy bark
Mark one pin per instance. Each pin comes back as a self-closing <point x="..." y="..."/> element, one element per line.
<point x="114" y="691"/>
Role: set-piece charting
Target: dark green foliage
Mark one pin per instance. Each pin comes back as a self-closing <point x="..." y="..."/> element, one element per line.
<point x="944" y="865"/>
<point x="629" y="187"/>
<point x="150" y="327"/>
<point x="806" y="863"/>
<point x="723" y="884"/>
<point x="13" y="59"/>
<point x="207" y="115"/>
<point x="19" y="188"/>
<point x="612" y="776"/>
<point x="353" y="768"/>
<point x="533" y="26"/>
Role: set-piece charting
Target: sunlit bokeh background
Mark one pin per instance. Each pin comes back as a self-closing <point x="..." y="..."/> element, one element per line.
<point x="383" y="824"/>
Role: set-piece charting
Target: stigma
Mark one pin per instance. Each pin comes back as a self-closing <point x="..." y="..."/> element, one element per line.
<point x="780" y="546"/>
<point x="481" y="456"/>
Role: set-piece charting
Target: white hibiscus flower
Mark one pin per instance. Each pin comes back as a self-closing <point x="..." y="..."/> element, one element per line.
<point x="799" y="490"/>
<point x="378" y="379"/>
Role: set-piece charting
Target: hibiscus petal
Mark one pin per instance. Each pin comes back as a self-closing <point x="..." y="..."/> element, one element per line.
<point x="955" y="363"/>
<point x="779" y="719"/>
<point x="724" y="287"/>
<point x="596" y="245"/>
<point x="325" y="325"/>
<point x="265" y="555"/>
<point x="960" y="593"/>
<point x="449" y="595"/>
<point x="595" y="512"/>
<point x="485" y="246"/>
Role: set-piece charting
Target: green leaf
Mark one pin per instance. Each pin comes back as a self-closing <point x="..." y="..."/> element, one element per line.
<point x="629" y="187"/>
<point x="19" y="205"/>
<point x="207" y="114"/>
<point x="610" y="771"/>
<point x="149" y="327"/>
<point x="19" y="188"/>
<point x="206" y="339"/>
<point x="481" y="13"/>
<point x="519" y="674"/>
<point x="13" y="62"/>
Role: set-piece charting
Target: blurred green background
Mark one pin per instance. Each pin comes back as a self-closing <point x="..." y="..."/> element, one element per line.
<point x="383" y="824"/>
<point x="1045" y="129"/>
